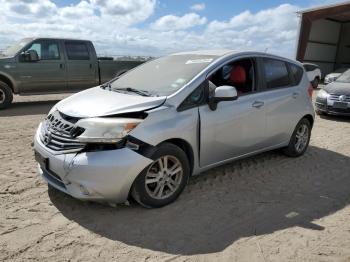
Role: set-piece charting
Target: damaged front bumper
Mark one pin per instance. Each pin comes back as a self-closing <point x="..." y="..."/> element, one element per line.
<point x="104" y="176"/>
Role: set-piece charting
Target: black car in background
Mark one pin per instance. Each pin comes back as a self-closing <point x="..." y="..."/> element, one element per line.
<point x="334" y="98"/>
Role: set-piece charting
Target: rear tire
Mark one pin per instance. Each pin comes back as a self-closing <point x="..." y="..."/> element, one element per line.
<point x="6" y="95"/>
<point x="162" y="182"/>
<point x="315" y="83"/>
<point x="300" y="139"/>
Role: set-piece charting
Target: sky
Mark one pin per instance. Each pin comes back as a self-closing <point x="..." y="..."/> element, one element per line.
<point x="159" y="27"/>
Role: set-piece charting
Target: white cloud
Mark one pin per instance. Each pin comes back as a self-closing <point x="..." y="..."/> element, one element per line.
<point x="114" y="28"/>
<point x="81" y="10"/>
<point x="29" y="8"/>
<point x="274" y="29"/>
<point x="198" y="7"/>
<point x="172" y="22"/>
<point x="130" y="11"/>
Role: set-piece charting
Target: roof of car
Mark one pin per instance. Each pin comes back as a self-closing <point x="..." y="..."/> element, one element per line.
<point x="228" y="52"/>
<point x="55" y="38"/>
<point x="217" y="52"/>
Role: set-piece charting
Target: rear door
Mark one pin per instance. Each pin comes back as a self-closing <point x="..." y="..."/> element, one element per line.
<point x="81" y="65"/>
<point x="46" y="75"/>
<point x="281" y="97"/>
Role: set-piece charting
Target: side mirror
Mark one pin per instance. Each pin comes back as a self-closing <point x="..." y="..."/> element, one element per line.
<point x="223" y="93"/>
<point x="30" y="56"/>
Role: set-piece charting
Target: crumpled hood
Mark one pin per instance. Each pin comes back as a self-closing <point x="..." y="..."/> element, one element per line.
<point x="338" y="88"/>
<point x="96" y="102"/>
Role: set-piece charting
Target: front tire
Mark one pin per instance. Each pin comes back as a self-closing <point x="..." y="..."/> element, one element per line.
<point x="300" y="139"/>
<point x="6" y="95"/>
<point x="162" y="182"/>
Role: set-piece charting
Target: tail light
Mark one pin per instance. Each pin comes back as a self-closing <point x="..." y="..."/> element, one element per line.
<point x="310" y="90"/>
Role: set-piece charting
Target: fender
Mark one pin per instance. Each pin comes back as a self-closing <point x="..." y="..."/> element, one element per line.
<point x="14" y="85"/>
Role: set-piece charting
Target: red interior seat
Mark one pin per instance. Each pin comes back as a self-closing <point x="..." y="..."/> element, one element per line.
<point x="238" y="75"/>
<point x="238" y="78"/>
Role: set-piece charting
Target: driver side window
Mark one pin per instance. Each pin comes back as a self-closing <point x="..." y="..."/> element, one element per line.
<point x="239" y="74"/>
<point x="46" y="50"/>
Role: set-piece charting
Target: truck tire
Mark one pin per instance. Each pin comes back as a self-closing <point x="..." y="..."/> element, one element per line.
<point x="6" y="95"/>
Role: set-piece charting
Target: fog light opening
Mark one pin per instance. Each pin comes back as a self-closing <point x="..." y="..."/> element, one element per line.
<point x="84" y="190"/>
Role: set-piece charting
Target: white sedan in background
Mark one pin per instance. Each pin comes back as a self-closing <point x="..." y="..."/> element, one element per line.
<point x="333" y="76"/>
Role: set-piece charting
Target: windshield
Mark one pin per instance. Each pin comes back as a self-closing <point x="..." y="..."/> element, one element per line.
<point x="345" y="77"/>
<point x="14" y="48"/>
<point x="163" y="76"/>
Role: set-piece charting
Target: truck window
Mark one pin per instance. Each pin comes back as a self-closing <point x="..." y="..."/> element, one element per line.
<point x="47" y="50"/>
<point x="77" y="51"/>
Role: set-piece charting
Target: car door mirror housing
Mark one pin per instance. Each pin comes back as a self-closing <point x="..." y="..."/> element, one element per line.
<point x="222" y="93"/>
<point x="30" y="56"/>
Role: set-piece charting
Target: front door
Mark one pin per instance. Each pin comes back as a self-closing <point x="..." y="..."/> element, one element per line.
<point x="236" y="127"/>
<point x="81" y="66"/>
<point x="48" y="75"/>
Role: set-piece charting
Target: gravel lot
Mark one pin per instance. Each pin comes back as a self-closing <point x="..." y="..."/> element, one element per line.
<point x="265" y="208"/>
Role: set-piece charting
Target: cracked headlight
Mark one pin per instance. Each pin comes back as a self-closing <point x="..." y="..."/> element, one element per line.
<point x="106" y="130"/>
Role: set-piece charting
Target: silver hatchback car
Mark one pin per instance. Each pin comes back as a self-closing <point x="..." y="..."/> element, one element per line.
<point x="143" y="134"/>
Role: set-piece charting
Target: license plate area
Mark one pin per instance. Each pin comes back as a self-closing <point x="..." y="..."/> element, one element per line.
<point x="340" y="105"/>
<point x="43" y="161"/>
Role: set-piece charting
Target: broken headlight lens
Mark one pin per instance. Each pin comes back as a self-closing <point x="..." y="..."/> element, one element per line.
<point x="106" y="130"/>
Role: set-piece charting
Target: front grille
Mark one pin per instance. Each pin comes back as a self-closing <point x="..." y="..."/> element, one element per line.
<point x="336" y="97"/>
<point x="59" y="134"/>
<point x="339" y="110"/>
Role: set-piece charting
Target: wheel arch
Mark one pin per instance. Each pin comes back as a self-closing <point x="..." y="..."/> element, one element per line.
<point x="186" y="147"/>
<point x="8" y="81"/>
<point x="309" y="118"/>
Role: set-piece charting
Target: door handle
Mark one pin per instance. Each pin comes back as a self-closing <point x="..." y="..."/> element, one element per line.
<point x="61" y="66"/>
<point x="258" y="104"/>
<point x="90" y="66"/>
<point x="295" y="94"/>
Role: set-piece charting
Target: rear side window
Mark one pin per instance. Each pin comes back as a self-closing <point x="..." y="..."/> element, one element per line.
<point x="77" y="51"/>
<point x="297" y="73"/>
<point x="276" y="73"/>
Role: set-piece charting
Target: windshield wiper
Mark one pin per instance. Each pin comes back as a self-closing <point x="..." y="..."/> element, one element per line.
<point x="132" y="90"/>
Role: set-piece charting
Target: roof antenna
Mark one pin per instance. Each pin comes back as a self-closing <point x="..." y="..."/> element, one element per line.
<point x="266" y="49"/>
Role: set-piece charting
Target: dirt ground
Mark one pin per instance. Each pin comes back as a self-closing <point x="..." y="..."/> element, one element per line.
<point x="265" y="208"/>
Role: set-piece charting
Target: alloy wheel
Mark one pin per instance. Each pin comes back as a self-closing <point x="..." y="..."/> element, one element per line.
<point x="302" y="137"/>
<point x="164" y="177"/>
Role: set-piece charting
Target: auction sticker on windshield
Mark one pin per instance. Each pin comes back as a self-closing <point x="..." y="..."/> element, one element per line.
<point x="199" y="61"/>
